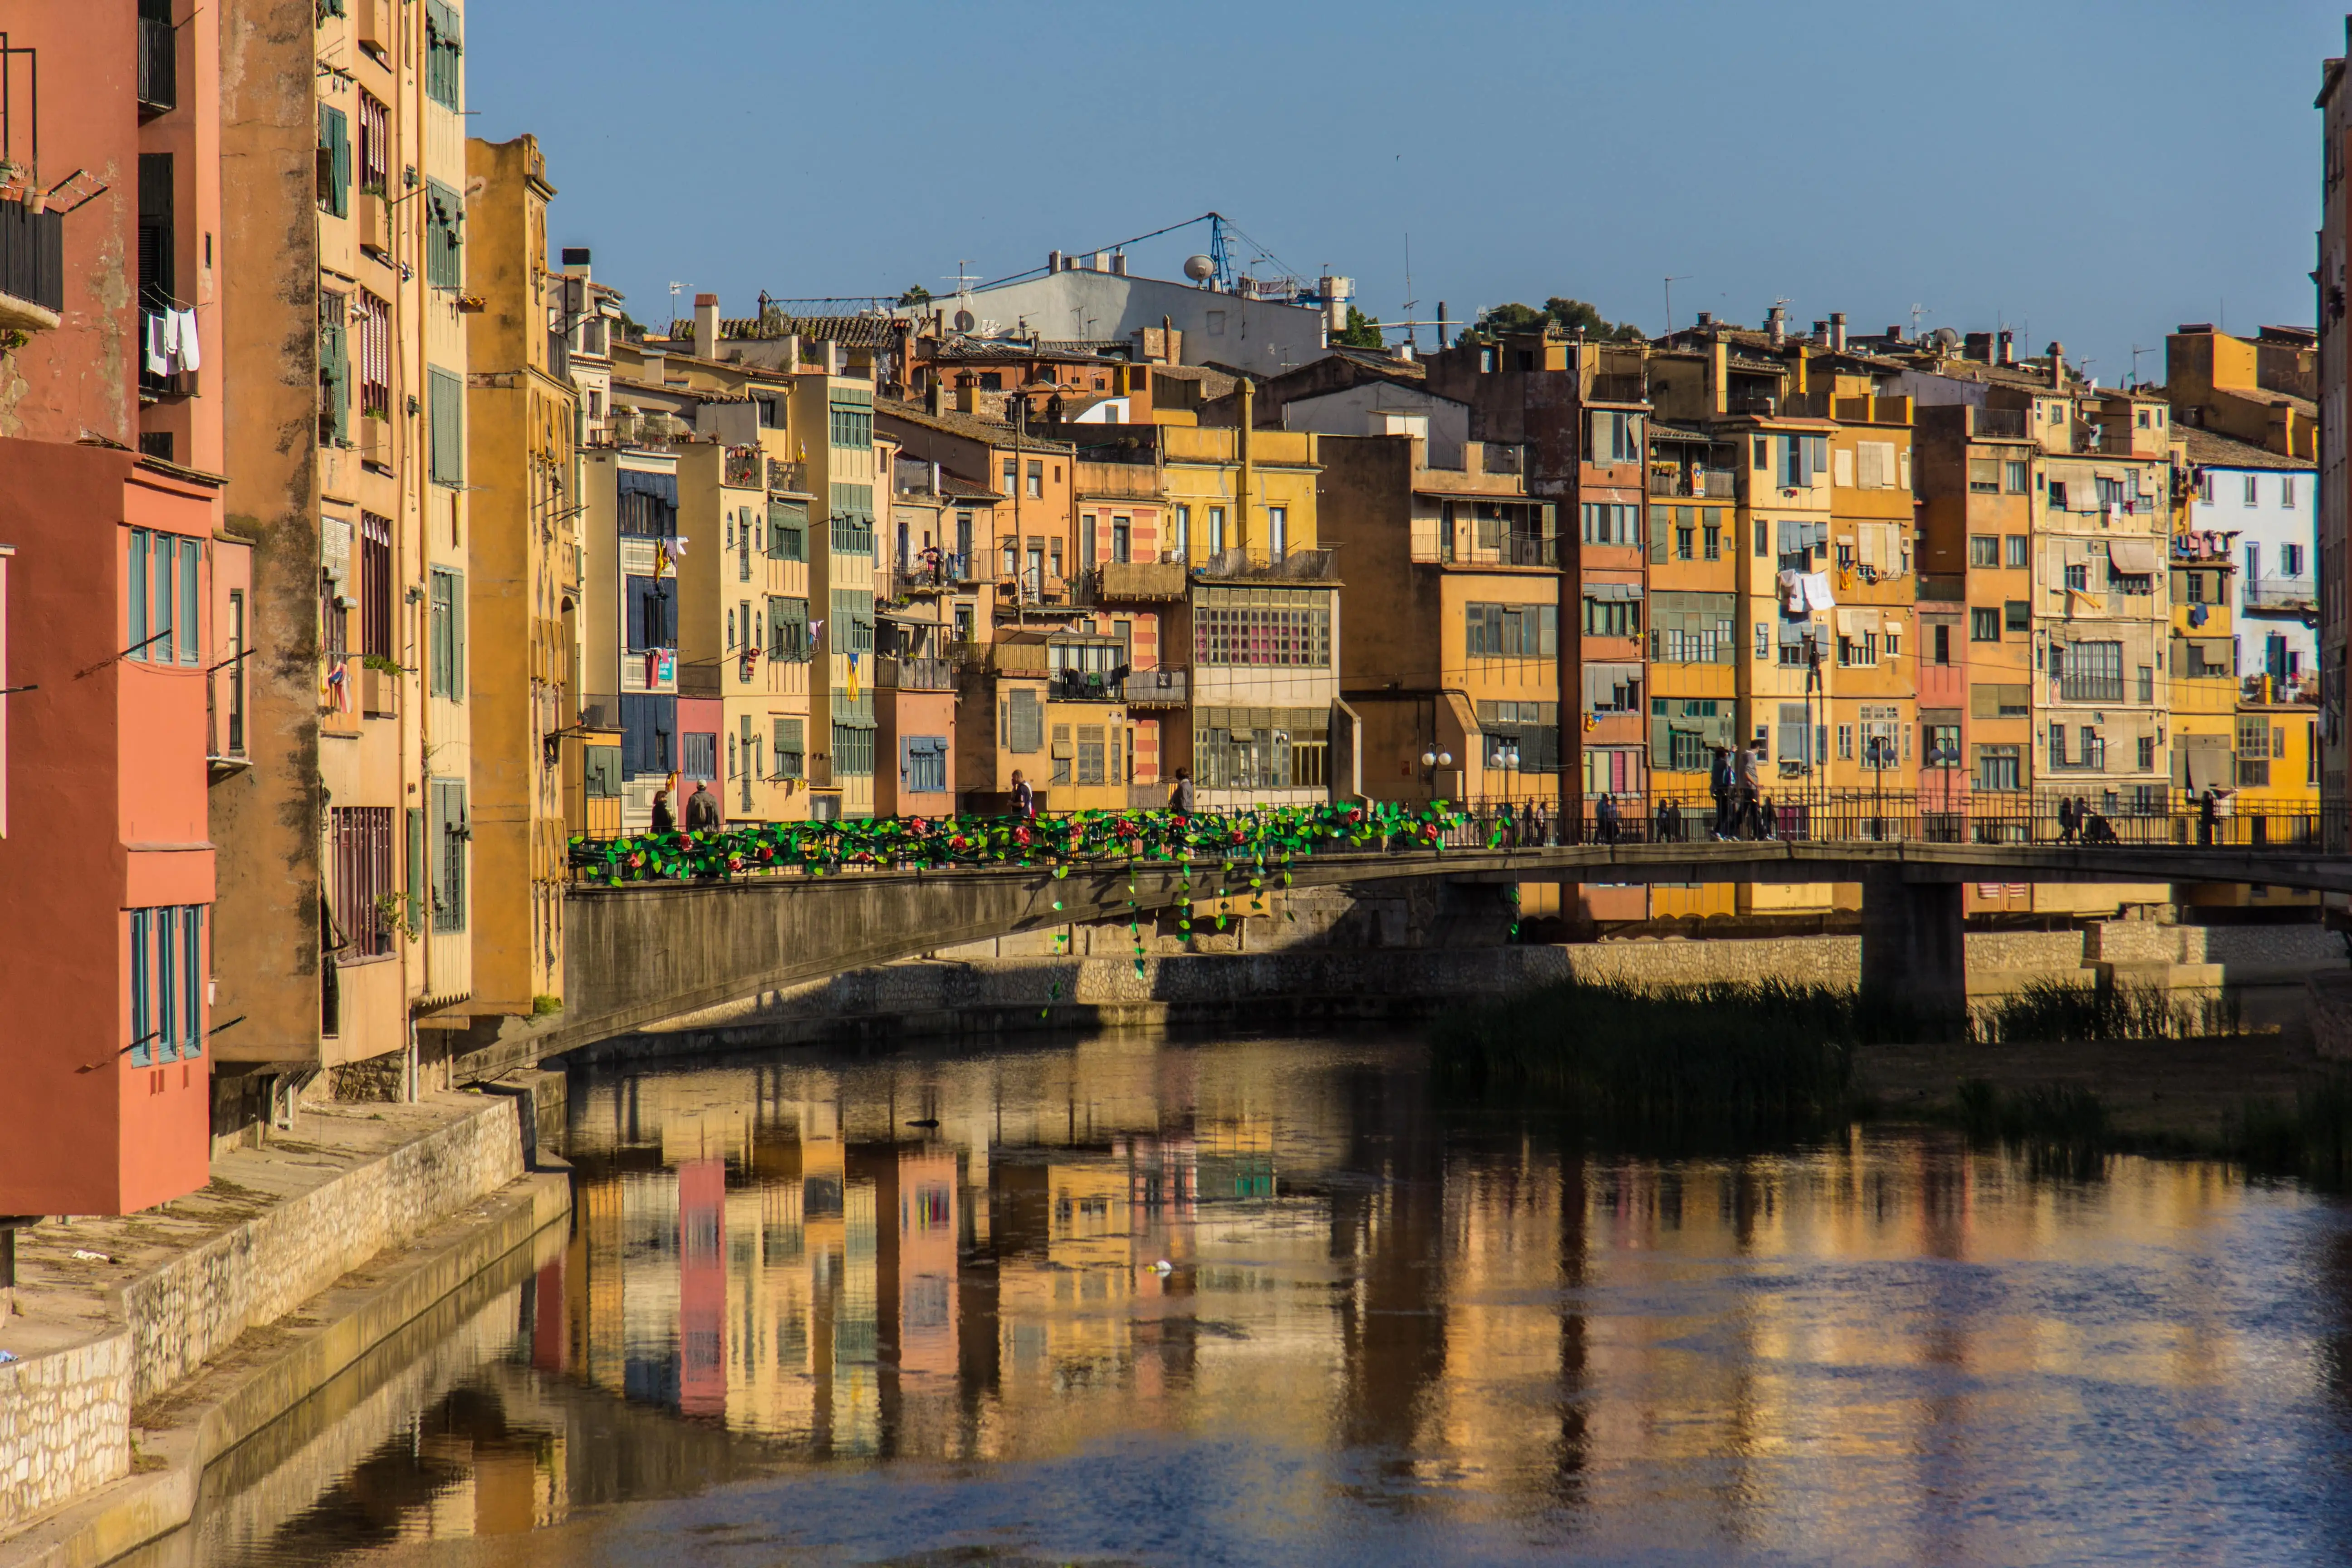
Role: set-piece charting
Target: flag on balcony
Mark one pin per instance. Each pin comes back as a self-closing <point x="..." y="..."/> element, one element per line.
<point x="339" y="686"/>
<point x="853" y="678"/>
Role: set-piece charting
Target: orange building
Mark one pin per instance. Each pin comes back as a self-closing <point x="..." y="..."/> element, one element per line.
<point x="127" y="612"/>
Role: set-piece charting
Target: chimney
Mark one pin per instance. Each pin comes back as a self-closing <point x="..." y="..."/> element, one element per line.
<point x="1837" y="331"/>
<point x="1821" y="335"/>
<point x="1118" y="263"/>
<point x="1706" y="317"/>
<point x="1777" y="323"/>
<point x="1718" y="376"/>
<point x="1102" y="262"/>
<point x="931" y="396"/>
<point x="1053" y="261"/>
<point x="2007" y="351"/>
<point x="828" y="355"/>
<point x="2058" y="365"/>
<point x="1978" y="346"/>
<point x="575" y="260"/>
<point x="706" y="326"/>
<point x="1442" y="324"/>
<point x="1895" y="333"/>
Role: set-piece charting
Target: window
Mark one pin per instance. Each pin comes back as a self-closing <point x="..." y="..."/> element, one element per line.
<point x="789" y="751"/>
<point x="236" y="672"/>
<point x="361" y="842"/>
<point x="1286" y="627"/>
<point x="1943" y="643"/>
<point x="2254" y="490"/>
<point x="2013" y="478"/>
<point x="2088" y="672"/>
<point x="1984" y="550"/>
<point x="1712" y="538"/>
<point x="167" y="983"/>
<point x="1532" y="631"/>
<point x="2147" y="752"/>
<point x="446" y="635"/>
<point x="787" y="531"/>
<point x="698" y="755"/>
<point x="451" y="834"/>
<point x="1025" y="722"/>
<point x="1216" y="531"/>
<point x="1613" y="617"/>
<point x="2000" y="700"/>
<point x="2286" y="491"/>
<point x="852" y="523"/>
<point x="2078" y="577"/>
<point x="924" y="764"/>
<point x="2021" y="551"/>
<point x="444" y="217"/>
<point x="853" y="751"/>
<point x="334" y="372"/>
<point x="334" y="162"/>
<point x="851" y="629"/>
<point x="1984" y="476"/>
<point x="2291" y="560"/>
<point x="1984" y="624"/>
<point x="788" y="636"/>
<point x="600" y="772"/>
<point x="1763" y="537"/>
<point x="1089" y="754"/>
<point x="1686" y="539"/>
<point x="1607" y="522"/>
<point x="1036" y="479"/>
<point x="1763" y="642"/>
<point x="375" y="586"/>
<point x="2017" y="616"/>
<point x="1616" y="437"/>
<point x="374" y="356"/>
<point x="375" y="145"/>
<point x="1943" y="746"/>
<point x="447" y="394"/>
<point x="1996" y="768"/>
<point x="445" y="75"/>
<point x="1845" y="742"/>
<point x="2057" y="493"/>
<point x="1122" y="536"/>
<point x="163" y="601"/>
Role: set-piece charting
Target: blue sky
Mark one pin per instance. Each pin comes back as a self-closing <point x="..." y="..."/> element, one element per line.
<point x="2094" y="172"/>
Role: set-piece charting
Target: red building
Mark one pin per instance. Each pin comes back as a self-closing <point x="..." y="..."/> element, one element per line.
<point x="125" y="607"/>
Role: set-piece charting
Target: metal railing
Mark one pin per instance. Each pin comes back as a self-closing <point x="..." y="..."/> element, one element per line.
<point x="1617" y="388"/>
<point x="159" y="67"/>
<point x="1158" y="688"/>
<point x="914" y="674"/>
<point x="2147" y="816"/>
<point x="33" y="255"/>
<point x="2282" y="594"/>
<point x="1998" y="421"/>
<point x="1699" y="484"/>
<point x="790" y="477"/>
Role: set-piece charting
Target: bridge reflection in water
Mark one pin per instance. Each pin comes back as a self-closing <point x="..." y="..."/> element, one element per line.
<point x="1387" y="1333"/>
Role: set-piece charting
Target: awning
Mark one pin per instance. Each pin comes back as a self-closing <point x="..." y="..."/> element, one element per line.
<point x="2207" y="764"/>
<point x="2132" y="557"/>
<point x="1612" y="590"/>
<point x="661" y="487"/>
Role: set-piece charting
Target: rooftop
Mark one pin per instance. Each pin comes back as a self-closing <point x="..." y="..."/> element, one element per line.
<point x="2210" y="450"/>
<point x="971" y="426"/>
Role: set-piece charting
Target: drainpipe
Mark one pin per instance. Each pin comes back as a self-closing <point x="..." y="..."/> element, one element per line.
<point x="1249" y="411"/>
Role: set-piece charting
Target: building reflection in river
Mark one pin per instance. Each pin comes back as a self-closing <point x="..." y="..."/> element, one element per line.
<point x="961" y="1259"/>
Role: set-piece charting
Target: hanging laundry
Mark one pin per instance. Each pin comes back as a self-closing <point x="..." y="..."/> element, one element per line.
<point x="184" y="341"/>
<point x="1817" y="592"/>
<point x="154" y="348"/>
<point x="1791" y="584"/>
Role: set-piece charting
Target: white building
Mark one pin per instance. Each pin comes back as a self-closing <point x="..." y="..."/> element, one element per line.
<point x="1093" y="303"/>
<point x="2272" y="504"/>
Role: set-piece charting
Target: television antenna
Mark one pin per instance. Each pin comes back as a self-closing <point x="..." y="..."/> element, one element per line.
<point x="1677" y="278"/>
<point x="1917" y="311"/>
<point x="1409" y="304"/>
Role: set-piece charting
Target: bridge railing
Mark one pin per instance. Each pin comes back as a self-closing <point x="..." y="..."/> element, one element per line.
<point x="2155" y="817"/>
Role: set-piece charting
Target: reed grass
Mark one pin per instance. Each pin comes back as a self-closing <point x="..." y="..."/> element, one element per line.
<point x="2052" y="1010"/>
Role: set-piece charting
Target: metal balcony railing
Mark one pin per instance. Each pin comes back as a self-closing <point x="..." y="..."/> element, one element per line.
<point x="159" y="68"/>
<point x="1159" y="688"/>
<point x="2008" y="423"/>
<point x="901" y="674"/>
<point x="2282" y="594"/>
<point x="33" y="256"/>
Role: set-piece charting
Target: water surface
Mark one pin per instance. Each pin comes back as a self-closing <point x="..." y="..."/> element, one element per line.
<point x="1264" y="1302"/>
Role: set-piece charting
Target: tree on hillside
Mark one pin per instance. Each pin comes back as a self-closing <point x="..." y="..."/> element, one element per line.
<point x="1360" y="332"/>
<point x="918" y="295"/>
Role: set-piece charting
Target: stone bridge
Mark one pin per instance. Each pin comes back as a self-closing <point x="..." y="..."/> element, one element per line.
<point x="640" y="955"/>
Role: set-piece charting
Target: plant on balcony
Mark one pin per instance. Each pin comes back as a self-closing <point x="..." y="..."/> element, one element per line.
<point x="384" y="662"/>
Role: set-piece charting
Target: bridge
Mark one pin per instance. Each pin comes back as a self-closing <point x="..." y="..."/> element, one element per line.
<point x="640" y="954"/>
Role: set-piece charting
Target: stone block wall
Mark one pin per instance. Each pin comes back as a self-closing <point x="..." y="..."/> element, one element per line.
<point x="203" y="1299"/>
<point x="65" y="1424"/>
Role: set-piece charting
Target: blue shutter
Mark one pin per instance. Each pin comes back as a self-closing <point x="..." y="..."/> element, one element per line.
<point x="192" y="969"/>
<point x="136" y="591"/>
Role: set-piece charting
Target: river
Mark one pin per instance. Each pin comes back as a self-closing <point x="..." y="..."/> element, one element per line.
<point x="1138" y="1300"/>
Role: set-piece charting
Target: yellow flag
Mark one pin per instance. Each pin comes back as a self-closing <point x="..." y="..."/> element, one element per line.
<point x="853" y="678"/>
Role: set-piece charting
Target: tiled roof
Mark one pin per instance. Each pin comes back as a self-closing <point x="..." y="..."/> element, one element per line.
<point x="1659" y="429"/>
<point x="2212" y="450"/>
<point x="971" y="426"/>
<point x="850" y="332"/>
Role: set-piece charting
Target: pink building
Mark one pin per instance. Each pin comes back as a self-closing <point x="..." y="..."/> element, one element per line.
<point x="124" y="604"/>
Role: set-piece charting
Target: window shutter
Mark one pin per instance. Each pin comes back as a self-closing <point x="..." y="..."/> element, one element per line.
<point x="135" y="590"/>
<point x="448" y="427"/>
<point x="188" y="620"/>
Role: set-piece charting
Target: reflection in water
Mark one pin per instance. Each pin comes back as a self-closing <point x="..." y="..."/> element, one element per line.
<point x="1264" y="1302"/>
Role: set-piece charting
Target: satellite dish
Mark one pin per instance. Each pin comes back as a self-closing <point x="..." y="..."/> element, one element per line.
<point x="965" y="320"/>
<point x="1200" y="268"/>
<point x="1944" y="337"/>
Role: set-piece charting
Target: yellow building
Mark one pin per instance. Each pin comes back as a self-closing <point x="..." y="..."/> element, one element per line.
<point x="1874" y="712"/>
<point x="523" y="584"/>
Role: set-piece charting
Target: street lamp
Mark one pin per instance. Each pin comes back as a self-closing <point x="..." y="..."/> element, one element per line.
<point x="1431" y="762"/>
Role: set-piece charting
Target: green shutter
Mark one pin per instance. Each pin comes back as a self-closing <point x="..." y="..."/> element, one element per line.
<point x="448" y="426"/>
<point x="444" y="218"/>
<point x="334" y="381"/>
<point x="335" y="166"/>
<point x="135" y="590"/>
<point x="190" y="621"/>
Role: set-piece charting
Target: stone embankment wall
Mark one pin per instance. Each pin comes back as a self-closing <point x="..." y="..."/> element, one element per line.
<point x="66" y="1416"/>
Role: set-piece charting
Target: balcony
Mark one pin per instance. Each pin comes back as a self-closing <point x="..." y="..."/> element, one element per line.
<point x="32" y="266"/>
<point x="895" y="582"/>
<point x="1255" y="563"/>
<point x="1620" y="388"/>
<point x="2282" y="594"/>
<point x="159" y="68"/>
<point x="1722" y="484"/>
<point x="744" y="468"/>
<point x="1086" y="686"/>
<point x="1139" y="581"/>
<point x="1999" y="424"/>
<point x="791" y="478"/>
<point x="900" y="674"/>
<point x="1158" y="688"/>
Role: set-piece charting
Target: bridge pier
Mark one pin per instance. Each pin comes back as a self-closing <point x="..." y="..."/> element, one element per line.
<point x="1911" y="943"/>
